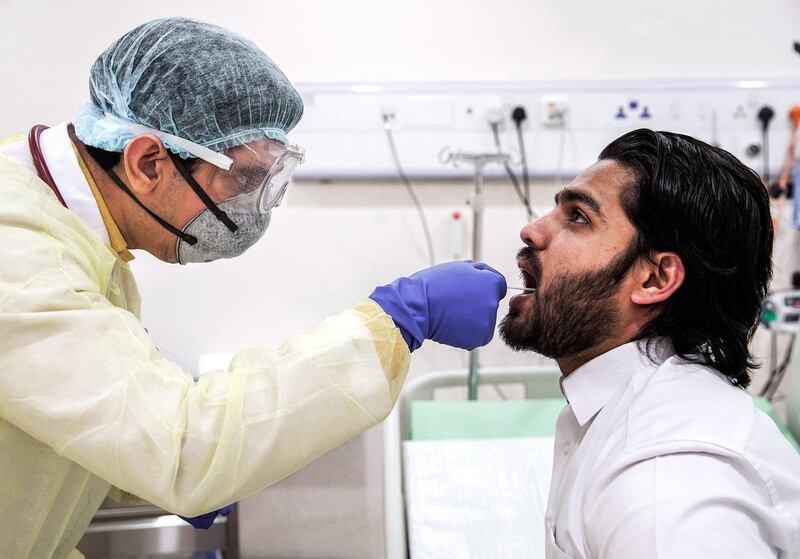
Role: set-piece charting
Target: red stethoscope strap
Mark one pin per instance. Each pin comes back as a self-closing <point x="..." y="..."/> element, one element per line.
<point x="40" y="163"/>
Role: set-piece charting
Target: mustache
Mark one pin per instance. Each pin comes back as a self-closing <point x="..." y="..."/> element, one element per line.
<point x="529" y="258"/>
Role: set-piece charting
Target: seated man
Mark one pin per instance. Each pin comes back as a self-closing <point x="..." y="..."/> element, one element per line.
<point x="649" y="276"/>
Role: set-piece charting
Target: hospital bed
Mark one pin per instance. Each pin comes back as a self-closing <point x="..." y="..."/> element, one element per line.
<point x="470" y="478"/>
<point x="509" y="440"/>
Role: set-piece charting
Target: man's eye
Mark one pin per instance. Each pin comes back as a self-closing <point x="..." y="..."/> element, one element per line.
<point x="577" y="217"/>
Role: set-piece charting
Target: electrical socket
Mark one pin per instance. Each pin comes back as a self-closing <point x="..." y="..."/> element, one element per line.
<point x="472" y="112"/>
<point x="495" y="116"/>
<point x="389" y="110"/>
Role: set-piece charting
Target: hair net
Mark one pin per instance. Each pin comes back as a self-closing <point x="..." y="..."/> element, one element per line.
<point x="189" y="79"/>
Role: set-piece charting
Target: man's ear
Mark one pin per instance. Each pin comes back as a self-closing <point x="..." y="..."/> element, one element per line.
<point x="657" y="278"/>
<point x="144" y="161"/>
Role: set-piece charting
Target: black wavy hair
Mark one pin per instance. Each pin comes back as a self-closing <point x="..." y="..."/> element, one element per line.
<point x="702" y="203"/>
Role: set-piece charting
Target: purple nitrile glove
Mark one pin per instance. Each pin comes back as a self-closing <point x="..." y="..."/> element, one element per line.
<point x="453" y="303"/>
<point x="204" y="521"/>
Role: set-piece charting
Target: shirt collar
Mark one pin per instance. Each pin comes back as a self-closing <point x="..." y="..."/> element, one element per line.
<point x="589" y="387"/>
<point x="77" y="187"/>
<point x="63" y="165"/>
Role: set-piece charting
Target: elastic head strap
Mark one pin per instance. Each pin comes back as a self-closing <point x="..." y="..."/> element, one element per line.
<point x="213" y="208"/>
<point x="189" y="239"/>
<point x="215" y="158"/>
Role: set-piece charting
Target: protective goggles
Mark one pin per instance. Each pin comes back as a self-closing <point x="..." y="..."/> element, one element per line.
<point x="255" y="183"/>
<point x="258" y="172"/>
<point x="261" y="173"/>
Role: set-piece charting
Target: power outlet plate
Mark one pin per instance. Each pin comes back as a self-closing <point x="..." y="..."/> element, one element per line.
<point x="553" y="110"/>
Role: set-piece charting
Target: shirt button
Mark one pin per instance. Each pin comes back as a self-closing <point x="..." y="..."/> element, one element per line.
<point x="566" y="448"/>
<point x="549" y="521"/>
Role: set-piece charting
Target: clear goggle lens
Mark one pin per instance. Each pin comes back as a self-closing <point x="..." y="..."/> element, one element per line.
<point x="277" y="183"/>
<point x="257" y="173"/>
<point x="263" y="184"/>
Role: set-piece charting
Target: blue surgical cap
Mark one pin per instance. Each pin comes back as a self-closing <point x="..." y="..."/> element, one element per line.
<point x="190" y="79"/>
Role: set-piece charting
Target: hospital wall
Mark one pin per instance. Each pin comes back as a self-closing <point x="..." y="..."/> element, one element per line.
<point x="330" y="244"/>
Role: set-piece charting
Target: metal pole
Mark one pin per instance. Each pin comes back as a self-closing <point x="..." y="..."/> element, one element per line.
<point x="479" y="160"/>
<point x="477" y="250"/>
<point x="232" y="549"/>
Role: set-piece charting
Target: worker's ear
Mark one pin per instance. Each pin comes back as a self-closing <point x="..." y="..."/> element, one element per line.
<point x="657" y="277"/>
<point x="146" y="163"/>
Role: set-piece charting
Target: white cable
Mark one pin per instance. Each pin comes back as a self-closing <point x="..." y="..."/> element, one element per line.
<point x="510" y="172"/>
<point x="387" y="125"/>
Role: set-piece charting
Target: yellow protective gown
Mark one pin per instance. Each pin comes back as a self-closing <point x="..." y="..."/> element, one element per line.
<point x="88" y="404"/>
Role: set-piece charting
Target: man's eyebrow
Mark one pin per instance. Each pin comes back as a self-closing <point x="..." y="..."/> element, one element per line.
<point x="570" y="195"/>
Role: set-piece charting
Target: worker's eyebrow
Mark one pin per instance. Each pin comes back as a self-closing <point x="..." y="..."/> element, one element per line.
<point x="571" y="195"/>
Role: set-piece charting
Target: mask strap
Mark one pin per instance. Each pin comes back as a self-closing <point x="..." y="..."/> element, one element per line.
<point x="189" y="239"/>
<point x="213" y="208"/>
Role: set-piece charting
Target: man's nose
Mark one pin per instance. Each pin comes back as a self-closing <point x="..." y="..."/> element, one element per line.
<point x="534" y="234"/>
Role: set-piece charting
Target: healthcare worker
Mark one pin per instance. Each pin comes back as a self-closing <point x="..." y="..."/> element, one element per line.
<point x="182" y="152"/>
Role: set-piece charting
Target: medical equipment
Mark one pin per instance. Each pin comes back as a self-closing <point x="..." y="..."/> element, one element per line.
<point x="479" y="161"/>
<point x="420" y="420"/>
<point x="522" y="288"/>
<point x="264" y="191"/>
<point x="260" y="171"/>
<point x="781" y="314"/>
<point x="781" y="188"/>
<point x="214" y="238"/>
<point x="429" y="115"/>
<point x="34" y="144"/>
<point x="788" y="179"/>
<point x="782" y="308"/>
<point x="252" y="178"/>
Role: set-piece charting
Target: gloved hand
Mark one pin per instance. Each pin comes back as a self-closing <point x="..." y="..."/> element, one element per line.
<point x="204" y="521"/>
<point x="453" y="303"/>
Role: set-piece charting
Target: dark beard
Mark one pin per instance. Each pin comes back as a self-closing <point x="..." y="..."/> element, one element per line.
<point x="575" y="313"/>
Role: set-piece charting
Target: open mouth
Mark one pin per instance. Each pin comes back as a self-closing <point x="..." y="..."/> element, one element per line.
<point x="527" y="278"/>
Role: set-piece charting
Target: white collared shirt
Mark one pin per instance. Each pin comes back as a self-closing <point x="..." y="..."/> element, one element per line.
<point x="668" y="461"/>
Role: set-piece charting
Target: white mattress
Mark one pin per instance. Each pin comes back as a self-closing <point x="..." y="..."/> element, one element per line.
<point x="477" y="498"/>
